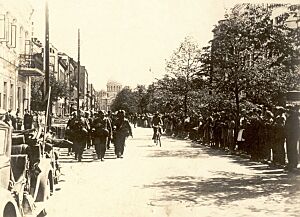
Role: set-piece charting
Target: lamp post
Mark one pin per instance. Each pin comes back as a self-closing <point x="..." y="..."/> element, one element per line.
<point x="47" y="71"/>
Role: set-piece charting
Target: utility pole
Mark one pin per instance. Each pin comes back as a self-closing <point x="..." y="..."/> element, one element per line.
<point x="78" y="73"/>
<point x="47" y="73"/>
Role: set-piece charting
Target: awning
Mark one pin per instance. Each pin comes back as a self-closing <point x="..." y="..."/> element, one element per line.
<point x="24" y="71"/>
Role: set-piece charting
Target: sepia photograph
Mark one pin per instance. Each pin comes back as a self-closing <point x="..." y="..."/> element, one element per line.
<point x="149" y="108"/>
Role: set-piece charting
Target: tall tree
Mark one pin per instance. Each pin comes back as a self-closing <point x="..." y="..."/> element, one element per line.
<point x="58" y="90"/>
<point x="181" y="70"/>
<point x="141" y="98"/>
<point x="125" y="100"/>
<point x="250" y="56"/>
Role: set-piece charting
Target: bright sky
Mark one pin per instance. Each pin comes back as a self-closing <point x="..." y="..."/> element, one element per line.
<point x="122" y="39"/>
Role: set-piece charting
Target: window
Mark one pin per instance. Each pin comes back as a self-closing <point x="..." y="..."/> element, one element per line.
<point x="12" y="36"/>
<point x="11" y="33"/>
<point x="24" y="93"/>
<point x="24" y="97"/>
<point x="11" y="98"/>
<point x="5" y="96"/>
<point x="3" y="136"/>
<point x="2" y="27"/>
<point x="19" y="97"/>
<point x="21" y="40"/>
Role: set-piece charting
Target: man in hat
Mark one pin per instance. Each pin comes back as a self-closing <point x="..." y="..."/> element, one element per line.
<point x="69" y="134"/>
<point x="109" y="116"/>
<point x="28" y="119"/>
<point x="156" y="124"/>
<point x="101" y="131"/>
<point x="80" y="133"/>
<point x="122" y="131"/>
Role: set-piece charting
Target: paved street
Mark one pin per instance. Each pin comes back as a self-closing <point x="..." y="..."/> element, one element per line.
<point x="179" y="179"/>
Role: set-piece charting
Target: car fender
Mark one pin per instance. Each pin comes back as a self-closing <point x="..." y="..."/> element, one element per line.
<point x="7" y="199"/>
<point x="46" y="170"/>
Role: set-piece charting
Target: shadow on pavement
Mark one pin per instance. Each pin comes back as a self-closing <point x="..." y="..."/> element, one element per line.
<point x="224" y="187"/>
<point x="88" y="156"/>
<point x="194" y="150"/>
<point x="229" y="187"/>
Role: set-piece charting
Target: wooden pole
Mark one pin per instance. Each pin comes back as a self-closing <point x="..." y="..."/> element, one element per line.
<point x="47" y="71"/>
<point x="78" y="73"/>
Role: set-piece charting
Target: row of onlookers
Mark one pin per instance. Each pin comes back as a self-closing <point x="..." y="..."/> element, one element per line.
<point x="28" y="121"/>
<point x="264" y="135"/>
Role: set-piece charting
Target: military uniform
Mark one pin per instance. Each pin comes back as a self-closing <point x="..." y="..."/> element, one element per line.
<point x="101" y="131"/>
<point x="79" y="135"/>
<point x="122" y="131"/>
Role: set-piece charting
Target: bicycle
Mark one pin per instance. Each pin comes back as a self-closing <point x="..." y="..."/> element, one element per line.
<point x="157" y="137"/>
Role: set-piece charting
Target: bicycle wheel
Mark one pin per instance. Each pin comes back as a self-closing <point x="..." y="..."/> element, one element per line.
<point x="158" y="140"/>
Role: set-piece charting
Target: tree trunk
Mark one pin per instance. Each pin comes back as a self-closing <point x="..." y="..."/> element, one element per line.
<point x="185" y="104"/>
<point x="237" y="115"/>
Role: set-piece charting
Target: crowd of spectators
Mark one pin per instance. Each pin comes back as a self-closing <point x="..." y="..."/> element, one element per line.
<point x="27" y="121"/>
<point x="266" y="135"/>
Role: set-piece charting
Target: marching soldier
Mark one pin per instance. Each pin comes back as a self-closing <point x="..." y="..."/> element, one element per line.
<point x="79" y="134"/>
<point x="101" y="131"/>
<point x="122" y="131"/>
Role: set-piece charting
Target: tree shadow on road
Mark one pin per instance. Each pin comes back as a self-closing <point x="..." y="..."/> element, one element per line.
<point x="227" y="187"/>
<point x="224" y="187"/>
<point x="177" y="153"/>
<point x="193" y="150"/>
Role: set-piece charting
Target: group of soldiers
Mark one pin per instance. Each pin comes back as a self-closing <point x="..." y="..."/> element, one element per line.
<point x="99" y="130"/>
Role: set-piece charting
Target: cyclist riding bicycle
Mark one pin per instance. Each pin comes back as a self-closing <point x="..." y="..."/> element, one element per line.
<point x="156" y="124"/>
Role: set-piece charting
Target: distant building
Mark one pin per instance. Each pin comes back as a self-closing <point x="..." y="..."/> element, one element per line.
<point x="83" y="88"/>
<point x="106" y="98"/>
<point x="113" y="88"/>
<point x="102" y="100"/>
<point x="91" y="95"/>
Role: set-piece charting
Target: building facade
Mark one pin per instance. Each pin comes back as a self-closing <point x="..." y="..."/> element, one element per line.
<point x="17" y="64"/>
<point x="102" y="100"/>
<point x="106" y="98"/>
<point x="83" y="88"/>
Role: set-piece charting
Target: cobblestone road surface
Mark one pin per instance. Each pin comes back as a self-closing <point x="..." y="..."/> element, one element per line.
<point x="179" y="179"/>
